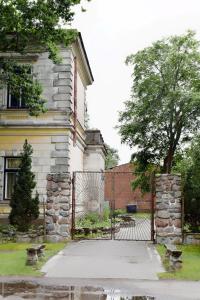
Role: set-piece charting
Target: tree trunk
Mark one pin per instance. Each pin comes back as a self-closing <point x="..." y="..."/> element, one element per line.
<point x="167" y="167"/>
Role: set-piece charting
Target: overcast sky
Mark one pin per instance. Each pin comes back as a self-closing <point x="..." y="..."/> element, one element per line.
<point x="113" y="29"/>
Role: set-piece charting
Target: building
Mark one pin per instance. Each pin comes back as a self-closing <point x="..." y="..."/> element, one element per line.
<point x="118" y="189"/>
<point x="60" y="139"/>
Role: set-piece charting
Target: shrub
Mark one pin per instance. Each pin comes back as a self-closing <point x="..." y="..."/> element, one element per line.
<point x="24" y="207"/>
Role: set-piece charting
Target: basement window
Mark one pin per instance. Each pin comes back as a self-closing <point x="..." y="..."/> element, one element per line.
<point x="10" y="175"/>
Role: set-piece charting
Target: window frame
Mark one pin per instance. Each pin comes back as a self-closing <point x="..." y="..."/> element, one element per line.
<point x="6" y="171"/>
<point x="20" y="100"/>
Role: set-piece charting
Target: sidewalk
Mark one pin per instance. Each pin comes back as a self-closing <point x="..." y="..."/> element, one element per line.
<point x="105" y="259"/>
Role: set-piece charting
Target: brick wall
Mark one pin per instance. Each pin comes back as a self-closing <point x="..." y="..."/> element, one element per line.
<point x="120" y="183"/>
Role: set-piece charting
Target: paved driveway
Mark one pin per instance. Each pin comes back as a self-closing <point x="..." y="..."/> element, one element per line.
<point x="105" y="259"/>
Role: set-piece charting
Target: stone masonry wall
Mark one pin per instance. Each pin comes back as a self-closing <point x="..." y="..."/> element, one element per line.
<point x="168" y="209"/>
<point x="58" y="207"/>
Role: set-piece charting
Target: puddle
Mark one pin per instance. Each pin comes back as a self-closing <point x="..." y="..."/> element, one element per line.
<point x="25" y="290"/>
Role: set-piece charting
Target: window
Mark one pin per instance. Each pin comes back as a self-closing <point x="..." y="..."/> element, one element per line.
<point x="16" y="101"/>
<point x="10" y="175"/>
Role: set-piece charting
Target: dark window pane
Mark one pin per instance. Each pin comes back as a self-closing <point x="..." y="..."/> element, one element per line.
<point x="23" y="100"/>
<point x="12" y="163"/>
<point x="14" y="101"/>
<point x="10" y="182"/>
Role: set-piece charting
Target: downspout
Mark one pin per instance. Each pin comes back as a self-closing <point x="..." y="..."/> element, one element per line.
<point x="75" y="102"/>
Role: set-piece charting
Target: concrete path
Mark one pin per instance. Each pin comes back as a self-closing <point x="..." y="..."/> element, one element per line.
<point x="105" y="259"/>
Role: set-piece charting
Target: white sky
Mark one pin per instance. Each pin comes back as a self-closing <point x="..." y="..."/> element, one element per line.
<point x="113" y="29"/>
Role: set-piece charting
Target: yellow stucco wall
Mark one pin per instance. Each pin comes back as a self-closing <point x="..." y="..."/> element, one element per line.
<point x="46" y="145"/>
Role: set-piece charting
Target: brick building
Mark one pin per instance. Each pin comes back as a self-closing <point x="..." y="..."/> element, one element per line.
<point x="118" y="187"/>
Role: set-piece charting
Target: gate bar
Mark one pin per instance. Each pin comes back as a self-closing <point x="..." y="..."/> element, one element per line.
<point x="73" y="205"/>
<point x="152" y="206"/>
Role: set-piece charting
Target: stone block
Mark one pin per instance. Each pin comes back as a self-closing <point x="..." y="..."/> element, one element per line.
<point x="161" y="222"/>
<point x="62" y="97"/>
<point x="60" y="154"/>
<point x="169" y="229"/>
<point x="64" y="213"/>
<point x="65" y="206"/>
<point x="60" y="139"/>
<point x="177" y="194"/>
<point x="66" y="75"/>
<point x="63" y="104"/>
<point x="163" y="214"/>
<point x="176" y="187"/>
<point x="50" y="212"/>
<point x="62" y="146"/>
<point x="62" y="161"/>
<point x="64" y="228"/>
<point x="65" y="192"/>
<point x="50" y="227"/>
<point x="62" y="68"/>
<point x="64" y="199"/>
<point x="162" y="206"/>
<point x="63" y="82"/>
<point x="63" y="220"/>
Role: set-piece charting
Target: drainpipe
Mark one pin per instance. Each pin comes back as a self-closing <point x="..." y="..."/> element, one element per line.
<point x="75" y="102"/>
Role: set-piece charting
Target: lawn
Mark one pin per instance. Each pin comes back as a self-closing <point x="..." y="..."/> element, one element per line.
<point x="13" y="258"/>
<point x="191" y="263"/>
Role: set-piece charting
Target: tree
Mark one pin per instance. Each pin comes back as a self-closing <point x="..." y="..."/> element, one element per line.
<point x="33" y="26"/>
<point x="189" y="167"/>
<point x="112" y="157"/>
<point x="24" y="207"/>
<point x="164" y="110"/>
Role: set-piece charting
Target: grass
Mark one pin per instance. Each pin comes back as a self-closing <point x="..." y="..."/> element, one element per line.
<point x="191" y="263"/>
<point x="13" y="259"/>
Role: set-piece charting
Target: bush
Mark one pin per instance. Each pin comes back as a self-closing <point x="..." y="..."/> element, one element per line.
<point x="189" y="167"/>
<point x="24" y="207"/>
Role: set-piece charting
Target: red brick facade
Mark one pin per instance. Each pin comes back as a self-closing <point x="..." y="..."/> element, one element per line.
<point x="118" y="187"/>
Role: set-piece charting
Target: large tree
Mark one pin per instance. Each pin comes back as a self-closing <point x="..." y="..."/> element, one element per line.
<point x="32" y="25"/>
<point x="164" y="110"/>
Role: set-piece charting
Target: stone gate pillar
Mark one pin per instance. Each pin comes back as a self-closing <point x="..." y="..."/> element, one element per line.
<point x="168" y="219"/>
<point x="58" y="207"/>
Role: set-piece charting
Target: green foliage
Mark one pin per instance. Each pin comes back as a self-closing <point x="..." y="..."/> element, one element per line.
<point x="32" y="26"/>
<point x="118" y="212"/>
<point x="24" y="207"/>
<point x="164" y="109"/>
<point x="95" y="220"/>
<point x="13" y="258"/>
<point x="189" y="167"/>
<point x="191" y="261"/>
<point x="106" y="214"/>
<point x="24" y="23"/>
<point x="21" y="82"/>
<point x="112" y="157"/>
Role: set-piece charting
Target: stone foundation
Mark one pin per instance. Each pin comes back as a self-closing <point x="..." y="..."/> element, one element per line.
<point x="58" y="207"/>
<point x="168" y="219"/>
<point x="191" y="238"/>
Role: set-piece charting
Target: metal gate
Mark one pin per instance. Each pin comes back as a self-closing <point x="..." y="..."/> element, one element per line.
<point x="104" y="206"/>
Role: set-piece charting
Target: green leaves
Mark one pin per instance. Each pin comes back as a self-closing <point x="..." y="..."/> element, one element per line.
<point x="22" y="84"/>
<point x="32" y="26"/>
<point x="25" y="23"/>
<point x="24" y="207"/>
<point x="112" y="157"/>
<point x="164" y="108"/>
